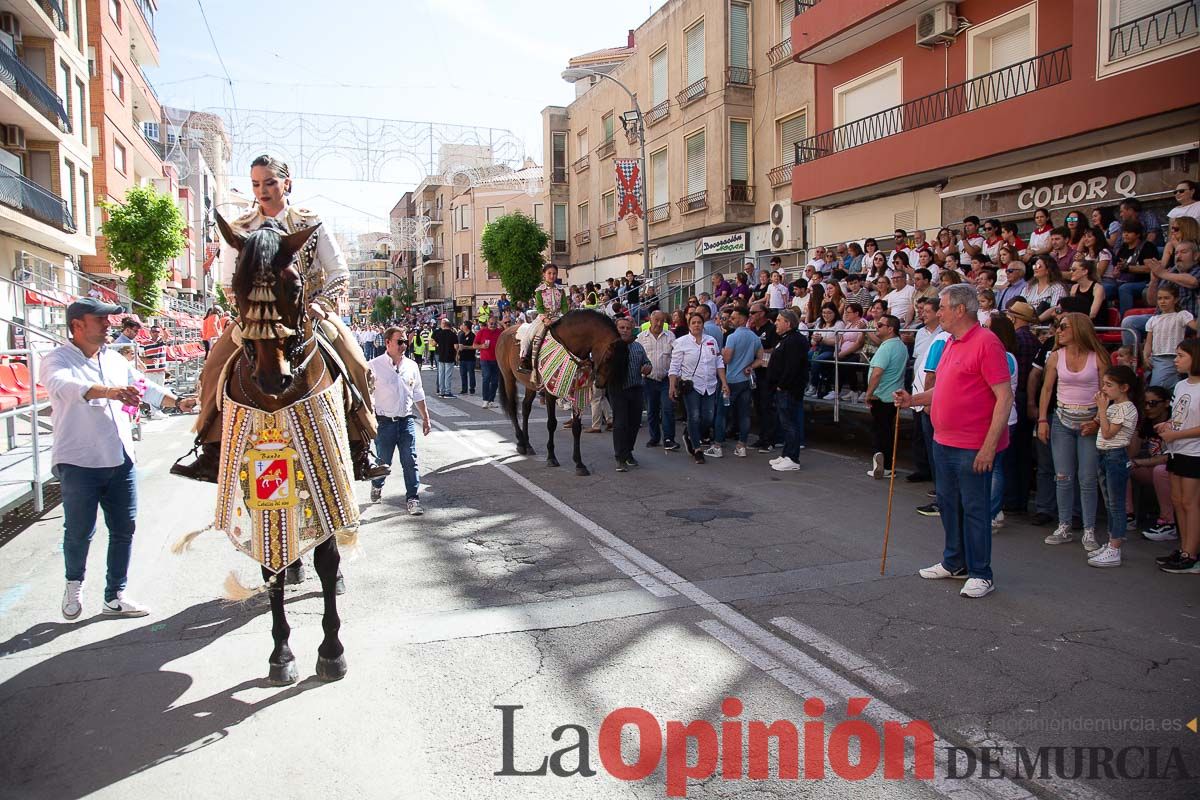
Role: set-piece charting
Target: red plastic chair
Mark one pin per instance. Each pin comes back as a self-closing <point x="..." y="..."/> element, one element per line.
<point x="1112" y="319"/>
<point x="21" y="370"/>
<point x="8" y="403"/>
<point x="9" y="386"/>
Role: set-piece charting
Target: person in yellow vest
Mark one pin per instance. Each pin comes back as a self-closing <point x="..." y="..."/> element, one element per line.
<point x="419" y="349"/>
<point x="551" y="302"/>
<point x="484" y="314"/>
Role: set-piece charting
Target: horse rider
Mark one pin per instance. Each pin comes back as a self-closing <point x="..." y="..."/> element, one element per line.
<point x="326" y="281"/>
<point x="551" y="302"/>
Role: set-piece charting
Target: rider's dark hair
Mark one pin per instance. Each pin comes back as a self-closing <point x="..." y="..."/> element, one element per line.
<point x="274" y="164"/>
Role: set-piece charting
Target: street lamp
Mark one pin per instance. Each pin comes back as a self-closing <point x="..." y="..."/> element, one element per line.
<point x="573" y="74"/>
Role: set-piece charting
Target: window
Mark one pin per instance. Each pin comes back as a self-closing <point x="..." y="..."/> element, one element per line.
<point x="68" y="189"/>
<point x="787" y="11"/>
<point x="91" y="59"/>
<point x="81" y="113"/>
<point x="494" y="213"/>
<point x="114" y="11"/>
<point x="695" y="53"/>
<point x="85" y="202"/>
<point x="539" y="214"/>
<point x="583" y="217"/>
<point x="118" y="83"/>
<point x="739" y="160"/>
<point x="869" y="94"/>
<point x="150" y="130"/>
<point x="466" y="266"/>
<point x="659" y="179"/>
<point x="583" y="143"/>
<point x="558" y="156"/>
<point x="1134" y="33"/>
<point x="1002" y="42"/>
<point x="607" y="122"/>
<point x="560" y="227"/>
<point x="462" y="218"/>
<point x="791" y="131"/>
<point x="739" y="36"/>
<point x="696" y="173"/>
<point x="78" y="6"/>
<point x="64" y="91"/>
<point x="658" y="77"/>
<point x="608" y="206"/>
<point x="119" y="157"/>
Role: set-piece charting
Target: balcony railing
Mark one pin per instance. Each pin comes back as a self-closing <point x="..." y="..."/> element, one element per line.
<point x="696" y="201"/>
<point x="581" y="164"/>
<point x="1157" y="29"/>
<point x="435" y="215"/>
<point x="558" y="175"/>
<point x="738" y="194"/>
<point x="608" y="229"/>
<point x="659" y="213"/>
<point x="693" y="92"/>
<point x="147" y="14"/>
<point x="582" y="238"/>
<point x="22" y="194"/>
<point x="54" y="11"/>
<point x="1039" y="72"/>
<point x="739" y="76"/>
<point x="659" y="112"/>
<point x="436" y="254"/>
<point x="158" y="147"/>
<point x="780" y="53"/>
<point x="22" y="80"/>
<point x="606" y="148"/>
<point x="560" y="247"/>
<point x="780" y="175"/>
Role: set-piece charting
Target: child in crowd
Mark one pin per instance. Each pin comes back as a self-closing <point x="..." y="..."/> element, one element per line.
<point x="987" y="304"/>
<point x="1164" y="332"/>
<point x="1117" y="415"/>
<point x="1182" y="435"/>
<point x="1149" y="465"/>
<point x="1126" y="358"/>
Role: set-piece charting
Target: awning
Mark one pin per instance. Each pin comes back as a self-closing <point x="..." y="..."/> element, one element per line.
<point x="47" y="297"/>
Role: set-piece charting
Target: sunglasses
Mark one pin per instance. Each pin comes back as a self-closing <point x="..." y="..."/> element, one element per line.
<point x="1062" y="326"/>
<point x="1154" y="403"/>
<point x="1180" y="191"/>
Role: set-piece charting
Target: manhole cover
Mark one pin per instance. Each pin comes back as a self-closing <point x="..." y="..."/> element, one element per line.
<point x="707" y="514"/>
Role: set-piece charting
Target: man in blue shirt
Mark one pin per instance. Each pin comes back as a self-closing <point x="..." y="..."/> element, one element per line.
<point x="743" y="352"/>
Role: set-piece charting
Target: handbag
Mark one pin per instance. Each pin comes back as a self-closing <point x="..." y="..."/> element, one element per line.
<point x="686" y="386"/>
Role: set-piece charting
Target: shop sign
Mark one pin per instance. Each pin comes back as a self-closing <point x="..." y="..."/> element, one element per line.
<point x="1086" y="190"/>
<point x="464" y="301"/>
<point x="721" y="245"/>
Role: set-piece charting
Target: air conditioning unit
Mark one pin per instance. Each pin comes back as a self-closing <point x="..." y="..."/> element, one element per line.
<point x="10" y="23"/>
<point x="937" y="24"/>
<point x="14" y="137"/>
<point x="786" y="227"/>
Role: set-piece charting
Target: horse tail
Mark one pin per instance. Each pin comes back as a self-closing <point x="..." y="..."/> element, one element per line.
<point x="508" y="401"/>
<point x="238" y="592"/>
<point x="185" y="542"/>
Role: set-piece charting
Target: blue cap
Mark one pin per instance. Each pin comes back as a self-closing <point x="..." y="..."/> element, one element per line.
<point x="90" y="305"/>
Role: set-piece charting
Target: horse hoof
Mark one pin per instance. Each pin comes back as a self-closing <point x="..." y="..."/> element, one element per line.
<point x="529" y="451"/>
<point x="551" y="461"/>
<point x="339" y="586"/>
<point x="331" y="669"/>
<point x="522" y="450"/>
<point x="582" y="472"/>
<point x="283" y="674"/>
<point x="294" y="574"/>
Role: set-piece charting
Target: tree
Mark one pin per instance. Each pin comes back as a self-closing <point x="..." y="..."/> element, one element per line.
<point x="404" y="296"/>
<point x="383" y="310"/>
<point x="223" y="302"/>
<point x="143" y="234"/>
<point x="512" y="245"/>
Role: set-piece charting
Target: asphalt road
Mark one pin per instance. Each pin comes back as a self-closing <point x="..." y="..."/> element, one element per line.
<point x="669" y="588"/>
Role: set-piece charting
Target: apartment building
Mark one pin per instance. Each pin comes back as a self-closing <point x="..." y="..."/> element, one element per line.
<point x="723" y="107"/>
<point x="46" y="181"/>
<point x="430" y="281"/>
<point x="120" y="42"/>
<point x="926" y="112"/>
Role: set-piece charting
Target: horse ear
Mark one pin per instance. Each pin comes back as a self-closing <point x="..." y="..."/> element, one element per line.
<point x="235" y="239"/>
<point x="290" y="244"/>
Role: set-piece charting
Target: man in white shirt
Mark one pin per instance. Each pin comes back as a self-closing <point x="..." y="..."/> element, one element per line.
<point x="930" y="339"/>
<point x="818" y="261"/>
<point x="398" y="393"/>
<point x="971" y="242"/>
<point x="93" y="456"/>
<point x="900" y="299"/>
<point x="658" y="342"/>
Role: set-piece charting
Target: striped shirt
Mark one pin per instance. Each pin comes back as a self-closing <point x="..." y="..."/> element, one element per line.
<point x="637" y="360"/>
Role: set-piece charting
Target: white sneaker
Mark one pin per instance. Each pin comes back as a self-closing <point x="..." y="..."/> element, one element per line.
<point x="124" y="607"/>
<point x="1089" y="540"/>
<point x="861" y="398"/>
<point x="1062" y="534"/>
<point x="739" y="450"/>
<point x="937" y="571"/>
<point x="998" y="521"/>
<point x="848" y="396"/>
<point x="72" y="602"/>
<point x="1105" y="557"/>
<point x="1162" y="532"/>
<point x="414" y="508"/>
<point x="775" y="461"/>
<point x="811" y="391"/>
<point x="785" y="464"/>
<point x="876" y="470"/>
<point x="830" y="396"/>
<point x="977" y="587"/>
<point x="714" y="451"/>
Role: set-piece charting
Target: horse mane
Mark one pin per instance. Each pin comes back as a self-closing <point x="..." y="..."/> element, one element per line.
<point x="588" y="314"/>
<point x="258" y="254"/>
<point x="254" y="281"/>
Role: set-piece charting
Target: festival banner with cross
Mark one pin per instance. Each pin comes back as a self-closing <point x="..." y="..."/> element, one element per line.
<point x="629" y="187"/>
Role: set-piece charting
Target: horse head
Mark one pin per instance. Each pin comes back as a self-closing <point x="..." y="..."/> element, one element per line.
<point x="269" y="292"/>
<point x="609" y="354"/>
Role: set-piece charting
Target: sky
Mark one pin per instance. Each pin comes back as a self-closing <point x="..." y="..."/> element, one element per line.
<point x="467" y="62"/>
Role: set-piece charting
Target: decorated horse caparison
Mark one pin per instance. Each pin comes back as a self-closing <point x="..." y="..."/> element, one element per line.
<point x="285" y="479"/>
<point x="580" y="349"/>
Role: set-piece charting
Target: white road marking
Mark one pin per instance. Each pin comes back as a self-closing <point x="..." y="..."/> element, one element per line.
<point x="647" y="582"/>
<point x="843" y="656"/>
<point x="770" y="653"/>
<point x="437" y="407"/>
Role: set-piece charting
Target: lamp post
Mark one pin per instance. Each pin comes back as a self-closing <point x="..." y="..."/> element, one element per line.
<point x="574" y="74"/>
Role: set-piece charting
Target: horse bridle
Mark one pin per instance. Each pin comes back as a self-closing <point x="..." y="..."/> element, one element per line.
<point x="294" y="345"/>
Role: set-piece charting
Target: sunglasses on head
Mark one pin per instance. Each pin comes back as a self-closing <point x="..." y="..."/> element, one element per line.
<point x="1062" y="326"/>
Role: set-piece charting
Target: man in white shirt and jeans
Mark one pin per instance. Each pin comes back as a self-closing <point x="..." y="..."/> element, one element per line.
<point x="398" y="391"/>
<point x="93" y="455"/>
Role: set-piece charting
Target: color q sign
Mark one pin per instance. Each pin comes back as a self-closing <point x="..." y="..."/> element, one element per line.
<point x="1088" y="190"/>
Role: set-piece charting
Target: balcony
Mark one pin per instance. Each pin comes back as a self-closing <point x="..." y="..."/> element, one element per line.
<point x="739" y="194"/>
<point x="606" y="149"/>
<point x="660" y="213"/>
<point x="1039" y="72"/>
<point x="658" y="113"/>
<point x="739" y="76"/>
<point x="780" y="53"/>
<point x="582" y="238"/>
<point x="21" y="80"/>
<point x="696" y="201"/>
<point x="581" y="164"/>
<point x="609" y="229"/>
<point x="435" y="216"/>
<point x="20" y="193"/>
<point x="54" y="11"/>
<point x="824" y="33"/>
<point x="436" y="255"/>
<point x="143" y="40"/>
<point x="560" y="247"/>
<point x="1159" y="29"/>
<point x="693" y="92"/>
<point x="558" y="175"/>
<point x="780" y="175"/>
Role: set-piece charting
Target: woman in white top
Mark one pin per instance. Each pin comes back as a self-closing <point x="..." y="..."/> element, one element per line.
<point x="1189" y="204"/>
<point x="1094" y="246"/>
<point x="1046" y="288"/>
<point x="943" y="246"/>
<point x="824" y="340"/>
<point x="1039" y="240"/>
<point x="877" y="267"/>
<point x="697" y="372"/>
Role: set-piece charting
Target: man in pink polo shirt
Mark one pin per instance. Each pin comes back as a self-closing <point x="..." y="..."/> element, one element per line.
<point x="969" y="408"/>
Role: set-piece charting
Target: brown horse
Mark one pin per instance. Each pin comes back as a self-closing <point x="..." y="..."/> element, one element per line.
<point x="281" y="363"/>
<point x="589" y="336"/>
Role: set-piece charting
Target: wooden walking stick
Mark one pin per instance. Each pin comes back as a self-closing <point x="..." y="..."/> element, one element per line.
<point x="887" y="528"/>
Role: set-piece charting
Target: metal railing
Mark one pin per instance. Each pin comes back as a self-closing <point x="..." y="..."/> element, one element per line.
<point x="739" y="193"/>
<point x="659" y="213"/>
<point x="780" y="53"/>
<point x="147" y="14"/>
<point x="582" y="238"/>
<point x="1039" y="72"/>
<point x="606" y="148"/>
<point x="31" y="358"/>
<point x="696" y="201"/>
<point x="25" y="82"/>
<point x="780" y="175"/>
<point x="434" y="255"/>
<point x="22" y="194"/>
<point x="608" y="229"/>
<point x="739" y="76"/>
<point x="558" y="175"/>
<point x="581" y="163"/>
<point x="560" y="247"/>
<point x="693" y="92"/>
<point x="1153" y="30"/>
<point x="658" y="113"/>
<point x="54" y="11"/>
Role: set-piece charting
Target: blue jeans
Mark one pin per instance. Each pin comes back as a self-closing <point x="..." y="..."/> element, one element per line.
<point x="791" y="422"/>
<point x="1074" y="461"/>
<point x="962" y="496"/>
<point x="491" y="379"/>
<point x="1129" y="293"/>
<point x="998" y="466"/>
<point x="701" y="408"/>
<point x="399" y="434"/>
<point x="1114" y="472"/>
<point x="740" y="399"/>
<point x="927" y="432"/>
<point x="1133" y="330"/>
<point x="1163" y="372"/>
<point x="466" y="376"/>
<point x="445" y="375"/>
<point x="660" y="411"/>
<point x="84" y="490"/>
